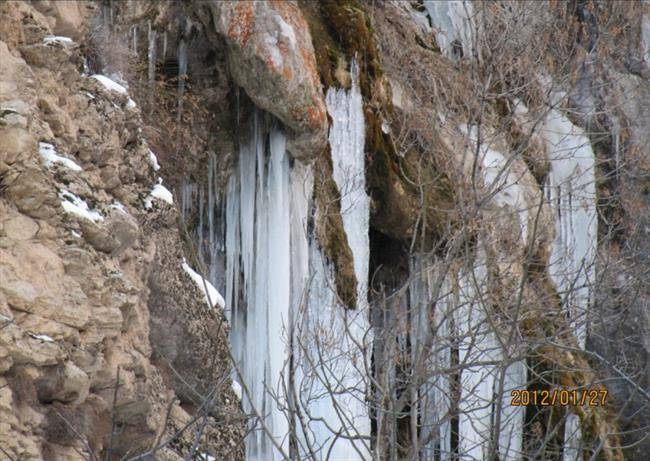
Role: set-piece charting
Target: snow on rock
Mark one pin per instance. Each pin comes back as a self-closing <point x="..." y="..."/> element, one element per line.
<point x="112" y="85"/>
<point x="212" y="296"/>
<point x="45" y="338"/>
<point x="236" y="388"/>
<point x="153" y="161"/>
<point x="159" y="192"/>
<point x="119" y="206"/>
<point x="50" y="157"/>
<point x="52" y="39"/>
<point x="109" y="84"/>
<point x="77" y="206"/>
<point x="500" y="179"/>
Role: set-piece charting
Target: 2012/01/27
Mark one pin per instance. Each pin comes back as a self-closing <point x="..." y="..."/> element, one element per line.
<point x="561" y="397"/>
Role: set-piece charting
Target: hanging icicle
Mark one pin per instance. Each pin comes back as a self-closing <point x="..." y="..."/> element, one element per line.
<point x="135" y="40"/>
<point x="164" y="53"/>
<point x="151" y="61"/>
<point x="282" y="297"/>
<point x="182" y="75"/>
<point x="263" y="234"/>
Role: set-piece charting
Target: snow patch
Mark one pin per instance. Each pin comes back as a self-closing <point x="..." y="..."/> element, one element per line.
<point x="45" y="338"/>
<point x="76" y="206"/>
<point x="210" y="293"/>
<point x="274" y="51"/>
<point x="236" y="388"/>
<point x="50" y="157"/>
<point x="160" y="192"/>
<point x="153" y="160"/>
<point x="109" y="84"/>
<point x="119" y="206"/>
<point x="52" y="39"/>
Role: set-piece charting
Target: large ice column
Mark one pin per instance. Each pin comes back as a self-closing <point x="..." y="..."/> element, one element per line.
<point x="430" y="331"/>
<point x="266" y="265"/>
<point x="301" y="353"/>
<point x="333" y="379"/>
<point x="571" y="191"/>
<point x="347" y="138"/>
<point x="335" y="335"/>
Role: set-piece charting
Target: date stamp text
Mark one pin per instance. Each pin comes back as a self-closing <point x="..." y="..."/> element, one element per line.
<point x="559" y="397"/>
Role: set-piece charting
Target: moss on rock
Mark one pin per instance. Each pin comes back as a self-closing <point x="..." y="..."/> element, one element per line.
<point x="330" y="231"/>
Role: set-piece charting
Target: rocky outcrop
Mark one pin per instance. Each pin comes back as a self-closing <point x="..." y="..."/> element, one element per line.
<point x="80" y="369"/>
<point x="271" y="57"/>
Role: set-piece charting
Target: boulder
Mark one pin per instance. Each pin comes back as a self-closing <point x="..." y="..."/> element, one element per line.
<point x="63" y="383"/>
<point x="20" y="228"/>
<point x="271" y="57"/>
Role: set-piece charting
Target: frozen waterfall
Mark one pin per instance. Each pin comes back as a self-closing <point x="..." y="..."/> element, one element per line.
<point x="261" y="246"/>
<point x="452" y="21"/>
<point x="452" y="320"/>
<point x="301" y="353"/>
<point x="346" y="362"/>
<point x="571" y="192"/>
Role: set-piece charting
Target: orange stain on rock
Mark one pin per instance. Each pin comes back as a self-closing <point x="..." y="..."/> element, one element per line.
<point x="316" y="115"/>
<point x="241" y="22"/>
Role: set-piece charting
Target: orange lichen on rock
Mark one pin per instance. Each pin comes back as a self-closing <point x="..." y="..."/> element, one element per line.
<point x="272" y="58"/>
<point x="241" y="23"/>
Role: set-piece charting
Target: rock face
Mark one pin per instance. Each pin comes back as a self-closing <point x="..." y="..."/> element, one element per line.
<point x="82" y="373"/>
<point x="272" y="58"/>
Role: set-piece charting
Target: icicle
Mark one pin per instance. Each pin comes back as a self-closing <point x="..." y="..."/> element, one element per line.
<point x="182" y="74"/>
<point x="261" y="233"/>
<point x="213" y="227"/>
<point x="434" y="393"/>
<point x="151" y="58"/>
<point x="164" y="53"/>
<point x="201" y="229"/>
<point x="151" y="62"/>
<point x="135" y="40"/>
<point x="461" y="318"/>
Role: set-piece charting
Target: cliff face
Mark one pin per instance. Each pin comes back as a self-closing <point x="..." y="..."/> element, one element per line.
<point x="107" y="347"/>
<point x="475" y="222"/>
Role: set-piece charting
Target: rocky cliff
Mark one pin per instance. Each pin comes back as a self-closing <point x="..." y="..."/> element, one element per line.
<point x="107" y="346"/>
<point x="412" y="208"/>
